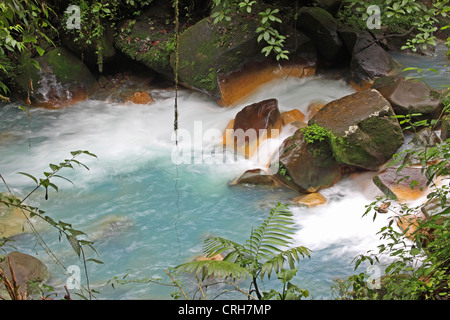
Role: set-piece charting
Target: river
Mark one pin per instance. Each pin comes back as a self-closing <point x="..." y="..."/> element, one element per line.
<point x="146" y="214"/>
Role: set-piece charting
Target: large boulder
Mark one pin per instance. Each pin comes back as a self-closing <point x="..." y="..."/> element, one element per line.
<point x="362" y="131"/>
<point x="61" y="80"/>
<point x="224" y="59"/>
<point x="368" y="59"/>
<point x="254" y="124"/>
<point x="26" y="269"/>
<point x="407" y="96"/>
<point x="322" y="28"/>
<point x="304" y="166"/>
<point x="87" y="51"/>
<point x="149" y="39"/>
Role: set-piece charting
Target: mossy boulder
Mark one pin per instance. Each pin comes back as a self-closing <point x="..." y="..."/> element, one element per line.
<point x="362" y="130"/>
<point x="303" y="166"/>
<point x="408" y="96"/>
<point x="87" y="52"/>
<point x="225" y="61"/>
<point x="323" y="29"/>
<point x="62" y="79"/>
<point x="149" y="39"/>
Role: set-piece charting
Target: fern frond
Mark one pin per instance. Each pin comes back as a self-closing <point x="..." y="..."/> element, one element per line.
<point x="213" y="268"/>
<point x="274" y="232"/>
<point x="216" y="245"/>
<point x="277" y="262"/>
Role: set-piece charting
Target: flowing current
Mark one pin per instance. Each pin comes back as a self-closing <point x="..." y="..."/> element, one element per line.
<point x="146" y="214"/>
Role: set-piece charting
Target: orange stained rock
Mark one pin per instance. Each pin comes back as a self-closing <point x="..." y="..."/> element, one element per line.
<point x="237" y="85"/>
<point x="291" y="116"/>
<point x="140" y="98"/>
<point x="310" y="199"/>
<point x="314" y="107"/>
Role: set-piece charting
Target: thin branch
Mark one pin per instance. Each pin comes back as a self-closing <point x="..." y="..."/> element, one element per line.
<point x="176" y="283"/>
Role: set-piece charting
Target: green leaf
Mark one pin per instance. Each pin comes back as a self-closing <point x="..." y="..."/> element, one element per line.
<point x="286" y="275"/>
<point x="95" y="261"/>
<point x="75" y="244"/>
<point x="30" y="176"/>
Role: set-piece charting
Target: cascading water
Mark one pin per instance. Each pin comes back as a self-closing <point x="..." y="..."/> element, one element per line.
<point x="141" y="219"/>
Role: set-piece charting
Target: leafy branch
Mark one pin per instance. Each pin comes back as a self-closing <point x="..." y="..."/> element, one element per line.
<point x="63" y="228"/>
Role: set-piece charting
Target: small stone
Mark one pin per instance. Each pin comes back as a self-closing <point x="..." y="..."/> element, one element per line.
<point x="310" y="200"/>
<point x="141" y="98"/>
<point x="291" y="116"/>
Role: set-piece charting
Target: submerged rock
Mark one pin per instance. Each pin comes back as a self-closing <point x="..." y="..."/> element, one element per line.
<point x="13" y="221"/>
<point x="109" y="227"/>
<point x="305" y="167"/>
<point x="62" y="80"/>
<point x="362" y="131"/>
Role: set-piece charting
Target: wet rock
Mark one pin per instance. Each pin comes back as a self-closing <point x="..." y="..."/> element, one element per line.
<point x="255" y="177"/>
<point x="291" y="116"/>
<point x="224" y="59"/>
<point x="310" y="200"/>
<point x="314" y="107"/>
<point x="407" y="96"/>
<point x="362" y="132"/>
<point x="407" y="184"/>
<point x="140" y="98"/>
<point x="61" y="81"/>
<point x="305" y="167"/>
<point x="434" y="206"/>
<point x="26" y="269"/>
<point x="409" y="224"/>
<point x="368" y="59"/>
<point x="253" y="124"/>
